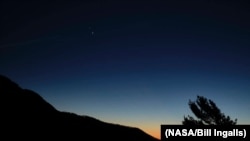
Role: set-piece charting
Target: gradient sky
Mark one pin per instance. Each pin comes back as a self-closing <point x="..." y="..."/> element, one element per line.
<point x="132" y="63"/>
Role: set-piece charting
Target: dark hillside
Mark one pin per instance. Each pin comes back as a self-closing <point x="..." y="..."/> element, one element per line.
<point x="26" y="115"/>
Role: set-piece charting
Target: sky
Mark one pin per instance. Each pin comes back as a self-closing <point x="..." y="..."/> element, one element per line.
<point x="134" y="63"/>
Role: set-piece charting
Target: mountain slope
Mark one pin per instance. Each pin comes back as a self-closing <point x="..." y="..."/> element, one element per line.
<point x="26" y="115"/>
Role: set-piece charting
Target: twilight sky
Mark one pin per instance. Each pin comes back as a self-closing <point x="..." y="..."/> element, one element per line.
<point x="134" y="63"/>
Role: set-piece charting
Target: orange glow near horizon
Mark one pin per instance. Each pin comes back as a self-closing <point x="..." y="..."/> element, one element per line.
<point x="152" y="130"/>
<point x="155" y="134"/>
<point x="147" y="125"/>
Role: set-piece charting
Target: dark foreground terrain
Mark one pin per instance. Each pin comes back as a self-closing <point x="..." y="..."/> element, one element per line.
<point x="26" y="115"/>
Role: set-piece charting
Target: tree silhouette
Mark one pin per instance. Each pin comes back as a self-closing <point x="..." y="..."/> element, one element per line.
<point x="207" y="113"/>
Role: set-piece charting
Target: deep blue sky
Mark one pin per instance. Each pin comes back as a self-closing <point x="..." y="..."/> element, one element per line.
<point x="133" y="63"/>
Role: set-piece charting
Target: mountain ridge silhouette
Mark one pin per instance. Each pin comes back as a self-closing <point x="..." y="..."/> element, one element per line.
<point x="25" y="114"/>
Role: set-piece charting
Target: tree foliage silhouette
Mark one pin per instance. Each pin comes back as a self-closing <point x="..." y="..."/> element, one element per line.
<point x="207" y="113"/>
